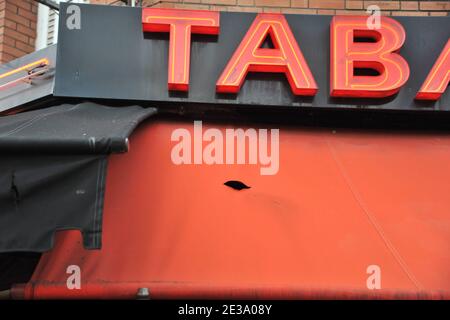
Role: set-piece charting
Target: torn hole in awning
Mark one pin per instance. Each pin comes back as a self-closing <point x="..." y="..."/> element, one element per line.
<point x="236" y="185"/>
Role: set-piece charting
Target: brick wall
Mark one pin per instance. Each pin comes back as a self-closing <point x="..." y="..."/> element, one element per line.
<point x="331" y="7"/>
<point x="18" y="20"/>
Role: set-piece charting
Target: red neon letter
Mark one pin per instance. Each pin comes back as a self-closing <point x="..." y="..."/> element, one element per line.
<point x="286" y="57"/>
<point x="347" y="55"/>
<point x="180" y="24"/>
<point x="438" y="78"/>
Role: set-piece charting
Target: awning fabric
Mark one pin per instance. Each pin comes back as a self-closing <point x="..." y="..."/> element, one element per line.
<point x="53" y="171"/>
<point x="341" y="202"/>
<point x="85" y="128"/>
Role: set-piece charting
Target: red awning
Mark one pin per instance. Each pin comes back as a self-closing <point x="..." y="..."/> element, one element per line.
<point x="341" y="201"/>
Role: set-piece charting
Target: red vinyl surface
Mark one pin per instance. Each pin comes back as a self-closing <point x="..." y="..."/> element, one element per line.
<point x="340" y="202"/>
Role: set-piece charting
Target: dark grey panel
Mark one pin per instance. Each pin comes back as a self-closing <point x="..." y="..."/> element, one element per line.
<point x="110" y="57"/>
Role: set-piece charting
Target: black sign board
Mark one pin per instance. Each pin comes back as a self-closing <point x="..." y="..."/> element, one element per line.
<point x="110" y="57"/>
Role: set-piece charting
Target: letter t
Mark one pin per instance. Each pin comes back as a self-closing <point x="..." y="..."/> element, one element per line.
<point x="180" y="24"/>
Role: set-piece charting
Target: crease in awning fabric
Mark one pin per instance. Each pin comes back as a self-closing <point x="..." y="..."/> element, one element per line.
<point x="53" y="171"/>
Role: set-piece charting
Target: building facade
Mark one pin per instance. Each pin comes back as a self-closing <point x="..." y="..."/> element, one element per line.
<point x="26" y="26"/>
<point x="351" y="202"/>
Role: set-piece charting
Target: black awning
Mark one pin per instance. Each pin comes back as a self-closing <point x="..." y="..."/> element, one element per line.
<point x="85" y="128"/>
<point x="53" y="169"/>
